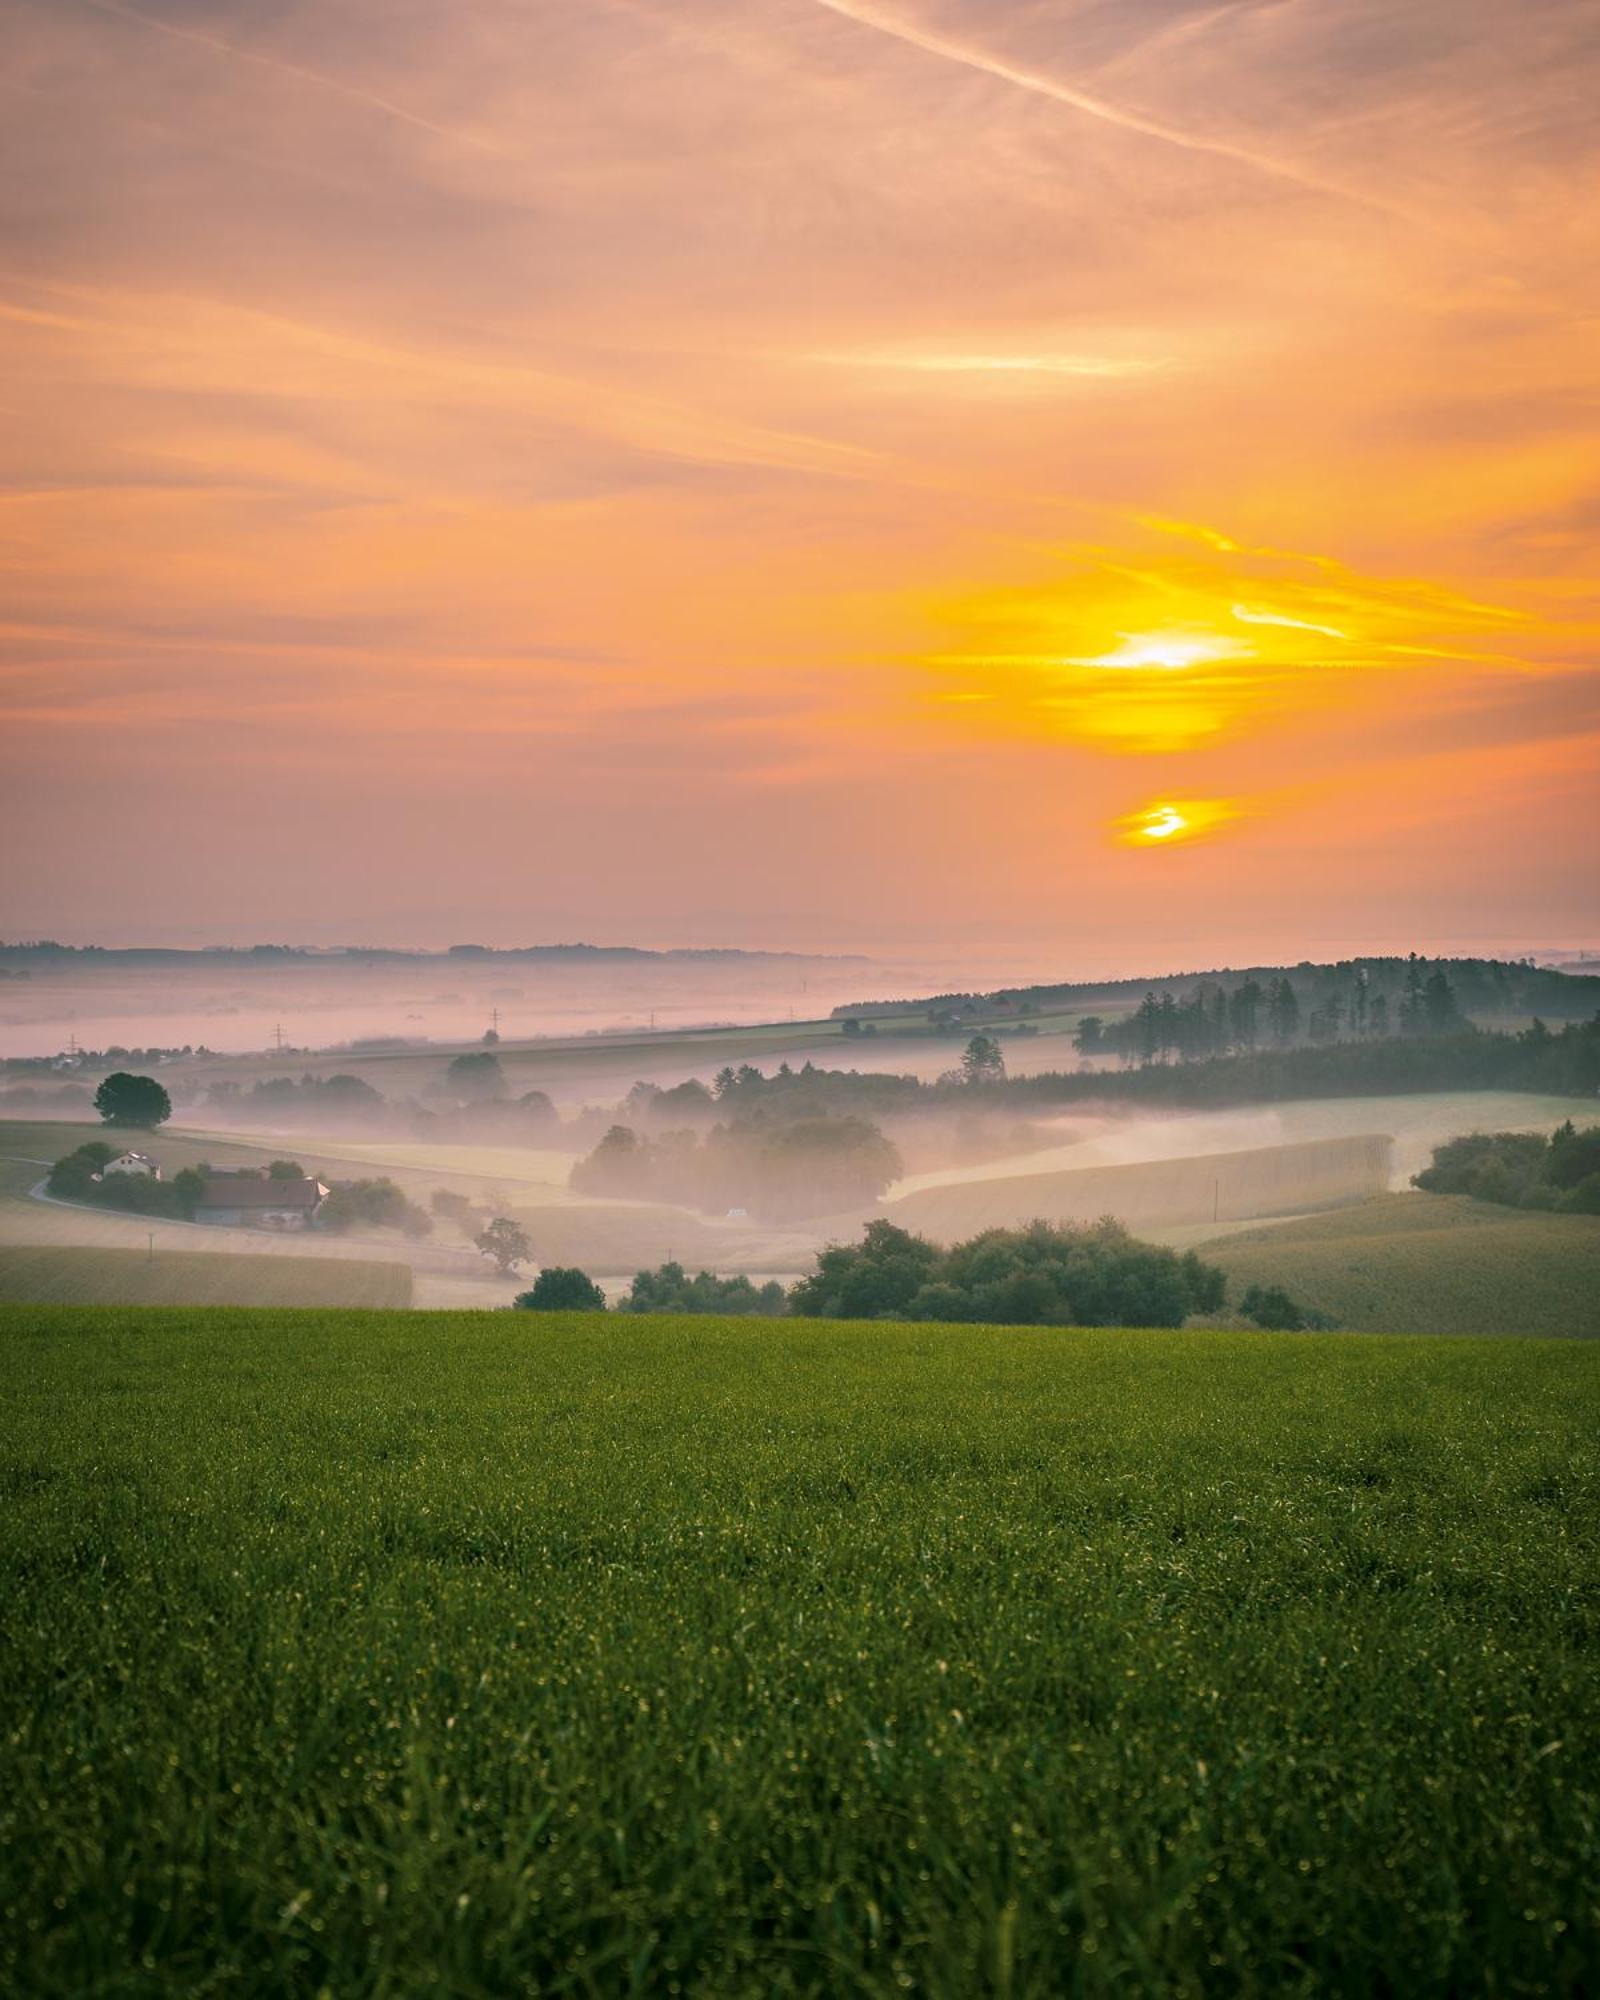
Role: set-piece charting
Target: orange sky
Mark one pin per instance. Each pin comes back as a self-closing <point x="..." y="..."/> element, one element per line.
<point x="1118" y="474"/>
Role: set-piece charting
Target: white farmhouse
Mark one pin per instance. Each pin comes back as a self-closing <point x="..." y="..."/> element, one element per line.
<point x="137" y="1166"/>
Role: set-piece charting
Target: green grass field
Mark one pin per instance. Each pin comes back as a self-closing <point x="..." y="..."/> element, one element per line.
<point x="368" y="1654"/>
<point x="65" y="1275"/>
<point x="1431" y="1264"/>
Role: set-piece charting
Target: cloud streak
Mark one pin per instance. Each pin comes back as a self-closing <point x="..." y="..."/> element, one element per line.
<point x="1101" y="109"/>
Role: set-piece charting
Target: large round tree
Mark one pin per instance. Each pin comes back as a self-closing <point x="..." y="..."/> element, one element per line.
<point x="562" y="1288"/>
<point x="132" y="1100"/>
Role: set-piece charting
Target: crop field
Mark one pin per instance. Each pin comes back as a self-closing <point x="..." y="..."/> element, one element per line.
<point x="1266" y="1180"/>
<point x="67" y="1275"/>
<point x="1432" y="1264"/>
<point x="359" y="1653"/>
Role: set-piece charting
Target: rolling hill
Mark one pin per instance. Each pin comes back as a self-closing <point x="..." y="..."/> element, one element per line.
<point x="1422" y="1263"/>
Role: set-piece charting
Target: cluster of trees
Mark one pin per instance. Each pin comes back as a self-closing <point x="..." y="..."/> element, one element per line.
<point x="1217" y="1020"/>
<point x="1537" y="1059"/>
<point x="72" y="1178"/>
<point x="373" y="1204"/>
<point x="669" y="1289"/>
<point x="781" y="1171"/>
<point x="470" y="1102"/>
<point x="1521" y="1169"/>
<point x="1092" y="1274"/>
<point x="341" y="1100"/>
<point x="1503" y="989"/>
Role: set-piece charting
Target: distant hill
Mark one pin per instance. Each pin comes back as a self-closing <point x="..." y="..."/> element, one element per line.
<point x="237" y="958"/>
<point x="1485" y="989"/>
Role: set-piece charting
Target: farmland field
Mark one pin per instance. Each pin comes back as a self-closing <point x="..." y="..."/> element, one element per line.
<point x="69" y="1275"/>
<point x="1432" y="1264"/>
<point x="486" y="1653"/>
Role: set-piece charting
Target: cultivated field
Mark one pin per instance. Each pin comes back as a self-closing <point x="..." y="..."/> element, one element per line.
<point x="1267" y="1180"/>
<point x="1432" y="1264"/>
<point x="480" y="1654"/>
<point x="63" y="1274"/>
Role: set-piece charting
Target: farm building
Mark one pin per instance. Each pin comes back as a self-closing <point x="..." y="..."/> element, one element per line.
<point x="253" y="1201"/>
<point x="137" y="1165"/>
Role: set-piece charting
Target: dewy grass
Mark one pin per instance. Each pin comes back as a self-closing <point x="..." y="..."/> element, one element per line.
<point x="476" y="1654"/>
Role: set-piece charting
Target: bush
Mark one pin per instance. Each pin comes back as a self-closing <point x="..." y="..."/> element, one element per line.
<point x="72" y="1178"/>
<point x="1270" y="1306"/>
<point x="562" y="1288"/>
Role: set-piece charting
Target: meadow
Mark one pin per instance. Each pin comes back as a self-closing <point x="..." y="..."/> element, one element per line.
<point x="359" y="1653"/>
<point x="1429" y="1263"/>
<point x="68" y="1274"/>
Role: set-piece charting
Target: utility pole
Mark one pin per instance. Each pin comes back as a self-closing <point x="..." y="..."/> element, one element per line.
<point x="150" y="1256"/>
<point x="277" y="1038"/>
<point x="494" y="1019"/>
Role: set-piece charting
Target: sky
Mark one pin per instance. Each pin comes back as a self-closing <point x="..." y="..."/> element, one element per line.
<point x="1107" y="479"/>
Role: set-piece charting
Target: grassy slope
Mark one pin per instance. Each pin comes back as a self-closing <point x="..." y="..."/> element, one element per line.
<point x="67" y="1275"/>
<point x="478" y="1653"/>
<point x="1265" y="1180"/>
<point x="1432" y="1264"/>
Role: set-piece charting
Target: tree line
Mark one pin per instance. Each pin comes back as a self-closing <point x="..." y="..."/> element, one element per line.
<point x="1047" y="1274"/>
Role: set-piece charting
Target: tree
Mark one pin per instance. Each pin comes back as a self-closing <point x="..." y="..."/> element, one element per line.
<point x="505" y="1242"/>
<point x="1439" y="1008"/>
<point x="491" y="1038"/>
<point x="132" y="1100"/>
<point x="984" y="1061"/>
<point x="1244" y="1013"/>
<point x="1283" y="1011"/>
<point x="286" y="1170"/>
<point x="1089" y="1034"/>
<point x="562" y="1288"/>
<point x="476" y="1077"/>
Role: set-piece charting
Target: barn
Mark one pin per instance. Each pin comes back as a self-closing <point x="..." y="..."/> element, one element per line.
<point x="253" y="1201"/>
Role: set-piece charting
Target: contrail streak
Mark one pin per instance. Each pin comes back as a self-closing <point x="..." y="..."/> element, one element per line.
<point x="350" y="91"/>
<point x="1098" y="107"/>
